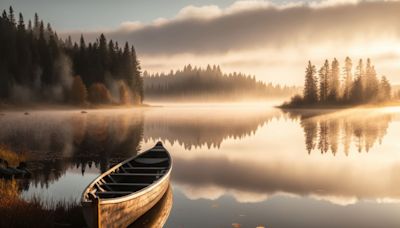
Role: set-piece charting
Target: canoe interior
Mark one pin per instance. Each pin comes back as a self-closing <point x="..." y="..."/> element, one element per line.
<point x="132" y="175"/>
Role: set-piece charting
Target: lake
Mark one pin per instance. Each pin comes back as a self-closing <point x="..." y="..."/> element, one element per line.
<point x="234" y="165"/>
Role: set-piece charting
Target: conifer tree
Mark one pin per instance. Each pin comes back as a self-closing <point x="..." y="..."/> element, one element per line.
<point x="385" y="89"/>
<point x="357" y="91"/>
<point x="334" y="82"/>
<point x="324" y="82"/>
<point x="31" y="56"/>
<point x="372" y="83"/>
<point x="11" y="17"/>
<point x="310" y="85"/>
<point x="348" y="79"/>
<point x="21" y="24"/>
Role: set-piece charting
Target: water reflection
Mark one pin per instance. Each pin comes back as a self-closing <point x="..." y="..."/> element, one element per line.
<point x="325" y="131"/>
<point x="205" y="127"/>
<point x="253" y="155"/>
<point x="271" y="162"/>
<point x="158" y="215"/>
<point x="54" y="142"/>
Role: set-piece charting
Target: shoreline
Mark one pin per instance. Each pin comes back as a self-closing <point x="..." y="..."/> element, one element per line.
<point x="57" y="107"/>
<point x="339" y="107"/>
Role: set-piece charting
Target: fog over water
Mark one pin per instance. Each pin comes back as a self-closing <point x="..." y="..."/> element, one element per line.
<point x="246" y="163"/>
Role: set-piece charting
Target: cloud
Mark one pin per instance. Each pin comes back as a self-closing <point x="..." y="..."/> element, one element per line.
<point x="203" y="12"/>
<point x="254" y="24"/>
<point x="303" y="31"/>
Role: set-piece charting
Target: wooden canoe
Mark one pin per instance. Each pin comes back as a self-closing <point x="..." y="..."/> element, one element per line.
<point x="128" y="190"/>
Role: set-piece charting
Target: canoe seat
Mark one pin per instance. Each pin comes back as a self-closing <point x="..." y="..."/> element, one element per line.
<point x="146" y="168"/>
<point x="150" y="160"/>
<point x="135" y="174"/>
<point x="126" y="184"/>
<point x="158" y="150"/>
<point x="113" y="193"/>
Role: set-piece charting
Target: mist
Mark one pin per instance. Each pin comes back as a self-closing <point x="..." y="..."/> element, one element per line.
<point x="24" y="94"/>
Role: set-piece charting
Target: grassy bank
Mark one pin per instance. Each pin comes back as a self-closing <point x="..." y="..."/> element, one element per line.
<point x="17" y="212"/>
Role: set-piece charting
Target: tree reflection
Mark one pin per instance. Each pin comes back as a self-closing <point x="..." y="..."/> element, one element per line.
<point x="193" y="129"/>
<point x="53" y="144"/>
<point x="157" y="216"/>
<point x="57" y="142"/>
<point x="326" y="131"/>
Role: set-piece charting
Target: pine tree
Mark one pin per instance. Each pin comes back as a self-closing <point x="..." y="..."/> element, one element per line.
<point x="21" y="24"/>
<point x="334" y="82"/>
<point x="372" y="83"/>
<point x="137" y="74"/>
<point x="30" y="25"/>
<point x="348" y="79"/>
<point x="357" y="91"/>
<point x="310" y="85"/>
<point x="324" y="82"/>
<point x="385" y="89"/>
<point x="11" y="16"/>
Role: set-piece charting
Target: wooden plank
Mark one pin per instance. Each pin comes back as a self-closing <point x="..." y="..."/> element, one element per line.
<point x="135" y="174"/>
<point x="100" y="188"/>
<point x="106" y="185"/>
<point x="112" y="179"/>
<point x="126" y="184"/>
<point x="147" y="168"/>
<point x="123" y="169"/>
<point x="151" y="160"/>
<point x="114" y="193"/>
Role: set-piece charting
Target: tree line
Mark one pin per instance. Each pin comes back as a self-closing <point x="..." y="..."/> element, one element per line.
<point x="210" y="83"/>
<point x="38" y="66"/>
<point x="333" y="86"/>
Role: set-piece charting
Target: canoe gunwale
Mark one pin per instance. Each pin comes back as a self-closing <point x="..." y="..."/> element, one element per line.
<point x="131" y="196"/>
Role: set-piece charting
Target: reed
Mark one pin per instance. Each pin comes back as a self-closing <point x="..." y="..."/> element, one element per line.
<point x="17" y="212"/>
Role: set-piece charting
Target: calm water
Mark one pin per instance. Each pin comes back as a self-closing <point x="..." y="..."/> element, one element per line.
<point x="234" y="165"/>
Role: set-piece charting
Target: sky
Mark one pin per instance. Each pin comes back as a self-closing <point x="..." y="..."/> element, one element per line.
<point x="100" y="14"/>
<point x="272" y="40"/>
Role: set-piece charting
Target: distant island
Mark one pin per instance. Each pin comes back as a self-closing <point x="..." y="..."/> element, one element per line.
<point x="210" y="84"/>
<point x="329" y="90"/>
<point x="37" y="67"/>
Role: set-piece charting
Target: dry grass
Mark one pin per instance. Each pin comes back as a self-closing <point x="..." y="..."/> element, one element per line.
<point x="11" y="157"/>
<point x="16" y="212"/>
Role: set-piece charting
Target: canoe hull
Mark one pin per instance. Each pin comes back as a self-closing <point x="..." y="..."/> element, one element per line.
<point x="124" y="213"/>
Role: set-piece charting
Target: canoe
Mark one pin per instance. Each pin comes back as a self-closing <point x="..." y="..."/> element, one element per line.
<point x="128" y="190"/>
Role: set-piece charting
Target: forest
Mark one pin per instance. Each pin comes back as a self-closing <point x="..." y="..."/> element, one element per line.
<point x="331" y="87"/>
<point x="36" y="66"/>
<point x="210" y="84"/>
